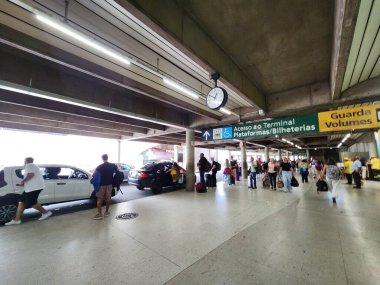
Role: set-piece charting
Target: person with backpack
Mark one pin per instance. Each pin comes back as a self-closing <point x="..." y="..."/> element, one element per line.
<point x="333" y="174"/>
<point x="106" y="171"/>
<point x="318" y="168"/>
<point x="215" y="167"/>
<point x="304" y="170"/>
<point x="356" y="169"/>
<point x="287" y="173"/>
<point x="203" y="165"/>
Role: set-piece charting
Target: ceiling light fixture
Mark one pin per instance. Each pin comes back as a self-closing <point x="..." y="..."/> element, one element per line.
<point x="225" y="111"/>
<point x="64" y="28"/>
<point x="180" y="88"/>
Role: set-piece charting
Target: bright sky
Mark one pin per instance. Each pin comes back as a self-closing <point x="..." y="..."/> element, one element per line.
<point x="80" y="151"/>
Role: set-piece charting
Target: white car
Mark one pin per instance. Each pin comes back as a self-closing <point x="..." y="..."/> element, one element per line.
<point x="62" y="183"/>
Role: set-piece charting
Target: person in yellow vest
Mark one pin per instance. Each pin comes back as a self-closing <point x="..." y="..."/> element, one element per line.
<point x="347" y="170"/>
<point x="376" y="168"/>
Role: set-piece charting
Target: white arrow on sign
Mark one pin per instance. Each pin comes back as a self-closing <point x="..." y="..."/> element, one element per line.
<point x="206" y="134"/>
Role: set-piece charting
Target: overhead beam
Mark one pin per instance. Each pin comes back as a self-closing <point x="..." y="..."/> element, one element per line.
<point x="346" y="13"/>
<point x="47" y="129"/>
<point x="30" y="121"/>
<point x="176" y="25"/>
<point x="53" y="55"/>
<point x="73" y="87"/>
<point x="153" y="133"/>
<point x="316" y="98"/>
<point x="63" y="108"/>
<point x="47" y="115"/>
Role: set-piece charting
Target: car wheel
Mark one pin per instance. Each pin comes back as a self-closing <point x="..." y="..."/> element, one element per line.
<point x="156" y="188"/>
<point x="8" y="210"/>
<point x="140" y="187"/>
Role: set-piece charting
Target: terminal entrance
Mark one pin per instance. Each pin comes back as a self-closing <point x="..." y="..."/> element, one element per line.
<point x="263" y="79"/>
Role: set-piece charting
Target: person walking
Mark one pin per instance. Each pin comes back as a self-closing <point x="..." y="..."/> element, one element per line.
<point x="227" y="172"/>
<point x="252" y="174"/>
<point x="272" y="171"/>
<point x="356" y="168"/>
<point x="318" y="168"/>
<point x="286" y="171"/>
<point x="106" y="171"/>
<point x="332" y="174"/>
<point x="304" y="170"/>
<point x="234" y="170"/>
<point x="214" y="170"/>
<point x="202" y="169"/>
<point x="33" y="183"/>
<point x="347" y="170"/>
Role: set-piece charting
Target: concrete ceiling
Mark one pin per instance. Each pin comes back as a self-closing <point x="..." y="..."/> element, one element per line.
<point x="285" y="57"/>
<point x="278" y="44"/>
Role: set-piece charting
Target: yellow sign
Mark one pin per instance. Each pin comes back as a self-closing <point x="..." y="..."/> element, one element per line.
<point x="365" y="117"/>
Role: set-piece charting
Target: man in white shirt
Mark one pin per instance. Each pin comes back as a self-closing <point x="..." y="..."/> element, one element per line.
<point x="33" y="184"/>
<point x="356" y="167"/>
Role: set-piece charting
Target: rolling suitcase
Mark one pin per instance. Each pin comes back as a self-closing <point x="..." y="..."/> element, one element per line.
<point x="208" y="180"/>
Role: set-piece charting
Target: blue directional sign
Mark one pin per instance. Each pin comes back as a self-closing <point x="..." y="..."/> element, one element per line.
<point x="227" y="133"/>
<point x="207" y="135"/>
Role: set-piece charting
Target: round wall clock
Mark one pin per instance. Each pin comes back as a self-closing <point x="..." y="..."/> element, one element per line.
<point x="216" y="98"/>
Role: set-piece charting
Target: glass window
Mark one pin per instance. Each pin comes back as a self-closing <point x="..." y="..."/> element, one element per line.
<point x="77" y="174"/>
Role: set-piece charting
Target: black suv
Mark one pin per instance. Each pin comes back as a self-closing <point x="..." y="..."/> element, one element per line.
<point x="155" y="176"/>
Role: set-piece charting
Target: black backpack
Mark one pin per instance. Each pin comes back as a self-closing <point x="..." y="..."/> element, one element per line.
<point x="322" y="186"/>
<point x="218" y="166"/>
<point x="118" y="178"/>
<point x="207" y="166"/>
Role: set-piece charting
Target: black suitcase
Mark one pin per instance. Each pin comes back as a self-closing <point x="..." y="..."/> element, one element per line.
<point x="208" y="180"/>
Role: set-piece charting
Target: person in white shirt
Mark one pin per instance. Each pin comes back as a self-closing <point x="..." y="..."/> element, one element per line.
<point x="356" y="168"/>
<point x="252" y="175"/>
<point x="33" y="183"/>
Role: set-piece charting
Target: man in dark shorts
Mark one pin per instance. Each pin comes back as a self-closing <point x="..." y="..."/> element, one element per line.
<point x="106" y="171"/>
<point x="33" y="184"/>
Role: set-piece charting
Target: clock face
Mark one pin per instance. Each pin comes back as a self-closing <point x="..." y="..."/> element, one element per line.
<point x="216" y="98"/>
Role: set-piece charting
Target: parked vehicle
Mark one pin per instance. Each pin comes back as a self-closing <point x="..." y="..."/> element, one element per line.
<point x="62" y="183"/>
<point x="155" y="176"/>
<point x="125" y="168"/>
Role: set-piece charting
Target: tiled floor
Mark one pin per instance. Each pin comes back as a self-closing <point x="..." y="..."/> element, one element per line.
<point x="230" y="235"/>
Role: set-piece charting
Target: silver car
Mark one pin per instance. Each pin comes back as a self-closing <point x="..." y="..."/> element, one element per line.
<point x="125" y="168"/>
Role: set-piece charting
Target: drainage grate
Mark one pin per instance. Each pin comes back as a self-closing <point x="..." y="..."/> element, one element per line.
<point x="127" y="216"/>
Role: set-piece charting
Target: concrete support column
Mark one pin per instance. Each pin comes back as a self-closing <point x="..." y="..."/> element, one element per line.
<point x="190" y="169"/>
<point x="176" y="153"/>
<point x="307" y="154"/>
<point x="118" y="151"/>
<point x="279" y="154"/>
<point x="266" y="150"/>
<point x="244" y="166"/>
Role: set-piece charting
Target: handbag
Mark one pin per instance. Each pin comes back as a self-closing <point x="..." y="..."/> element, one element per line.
<point x="280" y="183"/>
<point x="294" y="182"/>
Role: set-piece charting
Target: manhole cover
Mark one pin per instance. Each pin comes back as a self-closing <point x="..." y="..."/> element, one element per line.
<point x="127" y="216"/>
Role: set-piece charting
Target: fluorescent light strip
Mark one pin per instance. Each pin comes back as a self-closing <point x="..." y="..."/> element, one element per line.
<point x="82" y="38"/>
<point x="225" y="111"/>
<point x="180" y="88"/>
